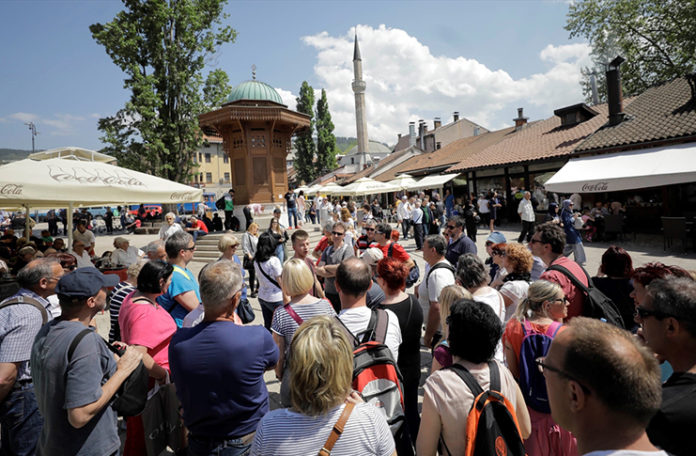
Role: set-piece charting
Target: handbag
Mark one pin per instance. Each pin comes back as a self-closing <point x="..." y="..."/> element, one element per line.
<point x="247" y="262"/>
<point x="162" y="421"/>
<point x="337" y="430"/>
<point x="245" y="311"/>
<point x="131" y="397"/>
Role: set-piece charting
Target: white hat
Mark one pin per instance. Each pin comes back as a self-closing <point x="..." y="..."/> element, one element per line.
<point x="372" y="256"/>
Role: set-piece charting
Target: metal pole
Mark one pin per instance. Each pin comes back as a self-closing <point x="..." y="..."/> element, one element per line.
<point x="27" y="223"/>
<point x="69" y="216"/>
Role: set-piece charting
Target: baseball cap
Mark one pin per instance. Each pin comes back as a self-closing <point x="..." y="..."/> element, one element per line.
<point x="372" y="256"/>
<point x="84" y="282"/>
<point x="496" y="237"/>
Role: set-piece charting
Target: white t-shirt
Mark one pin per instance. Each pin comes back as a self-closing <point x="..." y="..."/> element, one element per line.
<point x="194" y="317"/>
<point x="357" y="319"/>
<point x="495" y="300"/>
<point x="87" y="238"/>
<point x="516" y="291"/>
<point x="126" y="257"/>
<point x="84" y="260"/>
<point x="268" y="291"/>
<point x="483" y="206"/>
<point x="283" y="432"/>
<point x="438" y="280"/>
<point x="167" y="230"/>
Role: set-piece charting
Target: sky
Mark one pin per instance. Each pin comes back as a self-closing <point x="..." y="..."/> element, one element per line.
<point x="421" y="60"/>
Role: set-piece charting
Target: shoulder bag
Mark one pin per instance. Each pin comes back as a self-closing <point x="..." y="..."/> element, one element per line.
<point x="337" y="430"/>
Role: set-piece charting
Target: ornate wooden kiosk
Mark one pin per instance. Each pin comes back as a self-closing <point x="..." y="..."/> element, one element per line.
<point x="256" y="128"/>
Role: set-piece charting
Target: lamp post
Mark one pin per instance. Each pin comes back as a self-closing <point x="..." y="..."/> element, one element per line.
<point x="32" y="128"/>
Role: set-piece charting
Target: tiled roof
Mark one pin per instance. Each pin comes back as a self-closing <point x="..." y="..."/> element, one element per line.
<point x="382" y="163"/>
<point x="659" y="113"/>
<point x="540" y="140"/>
<point x="448" y="155"/>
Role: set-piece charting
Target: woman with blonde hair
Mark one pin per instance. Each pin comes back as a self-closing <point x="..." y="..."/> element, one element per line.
<point x="320" y="393"/>
<point x="542" y="312"/>
<point x="448" y="296"/>
<point x="297" y="280"/>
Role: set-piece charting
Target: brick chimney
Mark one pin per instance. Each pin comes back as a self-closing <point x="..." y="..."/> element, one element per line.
<point x="520" y="121"/>
<point x="437" y="123"/>
<point x="614" y="92"/>
<point x="455" y="115"/>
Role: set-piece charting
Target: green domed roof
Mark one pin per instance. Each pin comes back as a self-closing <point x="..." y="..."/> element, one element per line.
<point x="254" y="90"/>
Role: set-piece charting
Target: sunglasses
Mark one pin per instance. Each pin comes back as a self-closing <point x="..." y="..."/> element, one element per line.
<point x="644" y="313"/>
<point x="336" y="233"/>
<point x="563" y="300"/>
<point x="190" y="249"/>
<point x="498" y="253"/>
<point x="369" y="229"/>
<point x="450" y="227"/>
<point x="542" y="366"/>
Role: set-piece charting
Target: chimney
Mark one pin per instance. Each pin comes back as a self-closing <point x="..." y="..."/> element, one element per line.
<point x="438" y="145"/>
<point x="456" y="116"/>
<point x="595" y="92"/>
<point x="411" y="134"/>
<point x="437" y="123"/>
<point x="421" y="133"/>
<point x="614" y="93"/>
<point x="399" y="137"/>
<point x="520" y="121"/>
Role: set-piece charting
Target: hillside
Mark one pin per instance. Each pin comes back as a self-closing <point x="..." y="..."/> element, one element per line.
<point x="10" y="155"/>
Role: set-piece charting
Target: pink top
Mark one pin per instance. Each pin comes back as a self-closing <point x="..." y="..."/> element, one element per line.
<point x="575" y="297"/>
<point x="143" y="323"/>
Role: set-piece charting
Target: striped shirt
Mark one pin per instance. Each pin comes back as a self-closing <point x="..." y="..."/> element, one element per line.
<point x="118" y="294"/>
<point x="283" y="432"/>
<point x="284" y="325"/>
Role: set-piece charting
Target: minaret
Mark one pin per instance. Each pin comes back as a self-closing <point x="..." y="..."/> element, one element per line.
<point x="359" y="90"/>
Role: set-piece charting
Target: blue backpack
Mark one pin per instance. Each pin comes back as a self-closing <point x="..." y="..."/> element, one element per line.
<point x="535" y="345"/>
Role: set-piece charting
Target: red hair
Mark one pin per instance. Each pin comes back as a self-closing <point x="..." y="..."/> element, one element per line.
<point x="651" y="271"/>
<point x="393" y="272"/>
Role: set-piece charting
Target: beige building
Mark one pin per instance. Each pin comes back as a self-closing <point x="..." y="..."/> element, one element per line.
<point x="213" y="172"/>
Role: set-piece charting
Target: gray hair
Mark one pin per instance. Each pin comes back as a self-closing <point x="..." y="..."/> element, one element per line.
<point x="470" y="271"/>
<point x="438" y="242"/>
<point x="176" y="243"/>
<point x="328" y="226"/>
<point x="170" y="214"/>
<point x="370" y="222"/>
<point x="118" y="241"/>
<point x="31" y="274"/>
<point x="675" y="297"/>
<point x="153" y="246"/>
<point x="134" y="269"/>
<point x="219" y="281"/>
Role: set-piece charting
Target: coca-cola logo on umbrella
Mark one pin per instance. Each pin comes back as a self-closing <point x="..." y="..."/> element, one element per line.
<point x="93" y="176"/>
<point x="11" y="190"/>
<point x="597" y="187"/>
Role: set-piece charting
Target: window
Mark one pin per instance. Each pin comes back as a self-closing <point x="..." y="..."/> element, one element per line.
<point x="225" y="158"/>
<point x="209" y="178"/>
<point x="227" y="178"/>
<point x="207" y="158"/>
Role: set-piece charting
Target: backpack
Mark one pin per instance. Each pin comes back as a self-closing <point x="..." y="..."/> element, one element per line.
<point x="440" y="265"/>
<point x="413" y="274"/>
<point x="21" y="299"/>
<point x="596" y="304"/>
<point x="220" y="203"/>
<point x="377" y="377"/>
<point x="535" y="345"/>
<point x="491" y="427"/>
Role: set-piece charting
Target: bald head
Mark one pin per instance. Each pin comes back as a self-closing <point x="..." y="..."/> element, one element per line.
<point x="353" y="277"/>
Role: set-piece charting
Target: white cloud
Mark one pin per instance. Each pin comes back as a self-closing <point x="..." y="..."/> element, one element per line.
<point x="24" y="117"/>
<point x="406" y="82"/>
<point x="288" y="98"/>
<point x="60" y="124"/>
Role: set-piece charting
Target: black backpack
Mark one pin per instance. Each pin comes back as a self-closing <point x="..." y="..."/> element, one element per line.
<point x="220" y="203"/>
<point x="440" y="265"/>
<point x="491" y="426"/>
<point x="131" y="397"/>
<point x="596" y="304"/>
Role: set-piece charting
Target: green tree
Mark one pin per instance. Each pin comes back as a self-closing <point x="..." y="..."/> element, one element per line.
<point x="304" y="143"/>
<point x="161" y="46"/>
<point x="656" y="37"/>
<point x="326" y="141"/>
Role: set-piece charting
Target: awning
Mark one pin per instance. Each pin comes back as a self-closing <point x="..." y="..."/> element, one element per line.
<point x="627" y="170"/>
<point x="434" y="181"/>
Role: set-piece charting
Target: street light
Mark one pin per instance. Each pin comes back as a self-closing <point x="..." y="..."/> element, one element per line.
<point x="32" y="128"/>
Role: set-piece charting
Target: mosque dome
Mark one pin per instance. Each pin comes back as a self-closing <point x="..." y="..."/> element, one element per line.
<point x="254" y="91"/>
<point x="375" y="148"/>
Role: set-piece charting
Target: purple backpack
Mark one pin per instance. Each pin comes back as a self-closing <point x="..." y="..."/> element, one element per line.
<point x="535" y="345"/>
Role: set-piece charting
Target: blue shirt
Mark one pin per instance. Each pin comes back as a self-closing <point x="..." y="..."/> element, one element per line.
<point x="183" y="280"/>
<point x="218" y="369"/>
<point x="459" y="247"/>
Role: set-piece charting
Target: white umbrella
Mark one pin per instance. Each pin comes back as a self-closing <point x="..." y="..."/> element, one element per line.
<point x="313" y="190"/>
<point x="367" y="186"/>
<point x="59" y="182"/>
<point x="403" y="182"/>
<point x="331" y="189"/>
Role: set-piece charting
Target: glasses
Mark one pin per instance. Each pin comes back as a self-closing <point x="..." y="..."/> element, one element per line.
<point x="336" y="233"/>
<point x="542" y="366"/>
<point x="498" y="253"/>
<point x="562" y="300"/>
<point x="450" y="227"/>
<point x="190" y="249"/>
<point x="644" y="313"/>
<point x="369" y="229"/>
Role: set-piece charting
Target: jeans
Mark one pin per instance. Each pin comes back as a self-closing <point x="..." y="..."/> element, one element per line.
<point x="405" y="224"/>
<point x="418" y="234"/>
<point x="198" y="233"/>
<point x="228" y="219"/>
<point x="280" y="252"/>
<point x="267" y="309"/>
<point x="292" y="211"/>
<point x="527" y="231"/>
<point x="20" y="421"/>
<point x="577" y="250"/>
<point x="230" y="447"/>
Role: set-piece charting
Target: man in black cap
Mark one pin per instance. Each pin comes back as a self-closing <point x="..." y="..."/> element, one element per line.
<point x="74" y="390"/>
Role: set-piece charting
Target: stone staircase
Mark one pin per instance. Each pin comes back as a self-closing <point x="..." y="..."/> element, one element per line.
<point x="206" y="248"/>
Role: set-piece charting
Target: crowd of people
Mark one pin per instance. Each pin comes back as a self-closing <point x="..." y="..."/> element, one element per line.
<point x="514" y="322"/>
